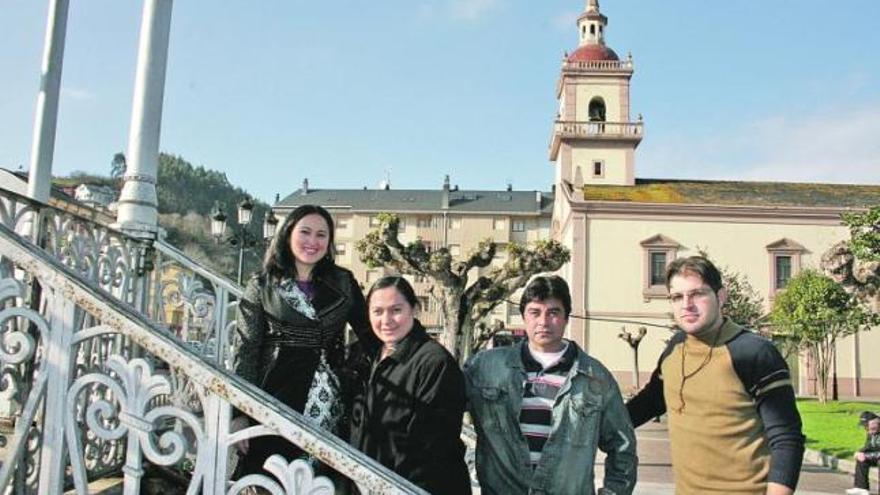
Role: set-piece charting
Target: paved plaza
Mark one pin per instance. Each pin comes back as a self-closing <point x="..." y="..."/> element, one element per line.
<point x="655" y="469"/>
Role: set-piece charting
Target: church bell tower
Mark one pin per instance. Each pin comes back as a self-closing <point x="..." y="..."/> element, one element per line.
<point x="594" y="139"/>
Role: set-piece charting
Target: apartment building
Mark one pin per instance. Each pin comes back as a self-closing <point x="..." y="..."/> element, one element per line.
<point x="450" y="217"/>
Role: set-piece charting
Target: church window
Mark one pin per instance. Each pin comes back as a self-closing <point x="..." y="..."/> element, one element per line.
<point x="658" y="268"/>
<point x="592" y="29"/>
<point x="596" y="110"/>
<point x="783" y="271"/>
<point x="657" y="252"/>
<point x="785" y="262"/>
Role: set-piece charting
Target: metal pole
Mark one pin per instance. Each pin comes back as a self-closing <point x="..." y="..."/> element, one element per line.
<point x="137" y="213"/>
<point x="46" y="119"/>
<point x="241" y="242"/>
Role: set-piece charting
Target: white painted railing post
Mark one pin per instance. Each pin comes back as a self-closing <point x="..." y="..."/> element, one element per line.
<point x="62" y="318"/>
<point x="137" y="213"/>
<point x="46" y="118"/>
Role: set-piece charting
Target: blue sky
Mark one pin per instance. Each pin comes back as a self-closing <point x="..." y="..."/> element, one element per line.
<point x="340" y="92"/>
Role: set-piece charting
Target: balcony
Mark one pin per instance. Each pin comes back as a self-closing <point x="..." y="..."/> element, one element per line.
<point x="598" y="65"/>
<point x="611" y="131"/>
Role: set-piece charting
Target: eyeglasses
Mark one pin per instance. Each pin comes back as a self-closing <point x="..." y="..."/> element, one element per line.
<point x="692" y="295"/>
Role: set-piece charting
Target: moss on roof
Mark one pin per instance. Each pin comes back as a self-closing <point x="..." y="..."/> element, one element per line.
<point x="737" y="193"/>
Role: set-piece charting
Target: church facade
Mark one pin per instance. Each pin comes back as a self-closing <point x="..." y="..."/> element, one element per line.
<point x="623" y="231"/>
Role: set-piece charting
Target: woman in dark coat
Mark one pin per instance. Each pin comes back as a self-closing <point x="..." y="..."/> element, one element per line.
<point x="407" y="414"/>
<point x="291" y="323"/>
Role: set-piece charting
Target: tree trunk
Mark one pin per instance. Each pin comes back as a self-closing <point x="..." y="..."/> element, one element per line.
<point x="450" y="312"/>
<point x="636" y="367"/>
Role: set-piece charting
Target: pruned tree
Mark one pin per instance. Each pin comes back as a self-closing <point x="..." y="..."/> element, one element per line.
<point x="855" y="263"/>
<point x="634" y="339"/>
<point x="813" y="312"/>
<point x="462" y="306"/>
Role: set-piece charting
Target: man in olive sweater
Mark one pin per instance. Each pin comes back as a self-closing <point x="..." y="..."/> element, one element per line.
<point x="733" y="424"/>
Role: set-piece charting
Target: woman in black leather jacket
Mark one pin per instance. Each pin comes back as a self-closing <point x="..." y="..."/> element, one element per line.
<point x="408" y="410"/>
<point x="290" y="335"/>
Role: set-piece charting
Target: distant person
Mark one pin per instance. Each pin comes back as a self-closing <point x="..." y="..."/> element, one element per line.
<point x="733" y="423"/>
<point x="542" y="407"/>
<point x="408" y="410"/>
<point x="291" y="323"/>
<point x="868" y="456"/>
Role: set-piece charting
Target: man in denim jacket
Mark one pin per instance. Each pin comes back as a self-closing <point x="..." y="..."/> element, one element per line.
<point x="543" y="407"/>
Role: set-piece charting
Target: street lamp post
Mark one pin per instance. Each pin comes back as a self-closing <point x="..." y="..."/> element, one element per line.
<point x="241" y="237"/>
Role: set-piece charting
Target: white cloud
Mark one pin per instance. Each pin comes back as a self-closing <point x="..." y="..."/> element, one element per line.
<point x="77" y="94"/>
<point x="838" y="146"/>
<point x="472" y="9"/>
<point x="841" y="147"/>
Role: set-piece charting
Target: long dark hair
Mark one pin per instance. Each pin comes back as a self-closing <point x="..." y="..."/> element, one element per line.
<point x="279" y="261"/>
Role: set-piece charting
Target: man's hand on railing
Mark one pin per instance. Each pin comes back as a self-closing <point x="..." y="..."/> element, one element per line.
<point x="237" y="424"/>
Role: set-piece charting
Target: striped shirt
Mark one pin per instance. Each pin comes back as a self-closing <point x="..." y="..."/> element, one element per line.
<point x="539" y="394"/>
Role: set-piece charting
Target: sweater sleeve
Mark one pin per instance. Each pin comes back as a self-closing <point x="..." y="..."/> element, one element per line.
<point x="649" y="402"/>
<point x="767" y="379"/>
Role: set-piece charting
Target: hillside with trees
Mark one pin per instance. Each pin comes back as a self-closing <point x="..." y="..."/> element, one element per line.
<point x="187" y="194"/>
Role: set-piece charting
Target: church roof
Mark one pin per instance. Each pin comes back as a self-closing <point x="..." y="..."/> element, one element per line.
<point x="592" y="52"/>
<point x="423" y="200"/>
<point x="738" y="193"/>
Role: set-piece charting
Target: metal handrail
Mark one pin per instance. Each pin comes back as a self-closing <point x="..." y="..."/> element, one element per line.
<point x="233" y="390"/>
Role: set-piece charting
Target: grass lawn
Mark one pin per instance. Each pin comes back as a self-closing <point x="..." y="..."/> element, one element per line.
<point x="834" y="428"/>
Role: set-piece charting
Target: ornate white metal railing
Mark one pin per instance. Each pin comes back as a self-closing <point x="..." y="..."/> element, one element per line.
<point x="99" y="396"/>
<point x="153" y="277"/>
<point x="194" y="302"/>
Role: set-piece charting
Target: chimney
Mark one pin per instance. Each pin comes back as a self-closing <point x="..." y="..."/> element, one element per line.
<point x="538" y="197"/>
<point x="509" y="187"/>
<point x="277" y="197"/>
<point x="444" y="198"/>
<point x="305" y="187"/>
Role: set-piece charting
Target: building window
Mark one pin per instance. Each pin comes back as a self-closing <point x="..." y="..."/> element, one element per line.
<point x="519" y="226"/>
<point x="401" y="225"/>
<point x="423" y="222"/>
<point x="658" y="267"/>
<point x="657" y="252"/>
<point x="455" y="223"/>
<point x="455" y="250"/>
<point x="783" y="271"/>
<point x="341" y="223"/>
<point x="340" y="249"/>
<point x="598" y="168"/>
<point x="374" y="220"/>
<point x="499" y="223"/>
<point x="785" y="262"/>
<point x="596" y="109"/>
